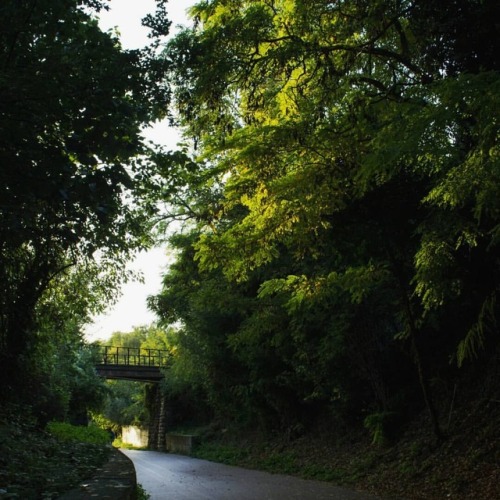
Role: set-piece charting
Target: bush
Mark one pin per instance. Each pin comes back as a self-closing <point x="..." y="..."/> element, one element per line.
<point x="381" y="426"/>
<point x="68" y="432"/>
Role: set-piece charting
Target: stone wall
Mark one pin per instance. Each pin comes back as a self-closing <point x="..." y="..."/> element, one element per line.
<point x="158" y="412"/>
<point x="173" y="443"/>
<point x="135" y="436"/>
<point x="180" y="443"/>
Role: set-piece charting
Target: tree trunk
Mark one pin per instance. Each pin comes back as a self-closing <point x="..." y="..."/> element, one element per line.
<point x="424" y="386"/>
<point x="417" y="358"/>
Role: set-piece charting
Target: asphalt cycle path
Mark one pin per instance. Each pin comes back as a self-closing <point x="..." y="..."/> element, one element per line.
<point x="176" y="477"/>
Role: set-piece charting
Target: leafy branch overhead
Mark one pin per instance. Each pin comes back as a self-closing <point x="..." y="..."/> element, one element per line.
<point x="355" y="149"/>
<point x="72" y="108"/>
<point x="338" y="183"/>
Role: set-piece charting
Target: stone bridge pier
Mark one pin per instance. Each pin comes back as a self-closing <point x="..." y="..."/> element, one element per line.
<point x="159" y="418"/>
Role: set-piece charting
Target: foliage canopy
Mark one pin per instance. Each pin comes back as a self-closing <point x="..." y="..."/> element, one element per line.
<point x="72" y="104"/>
<point x="349" y="152"/>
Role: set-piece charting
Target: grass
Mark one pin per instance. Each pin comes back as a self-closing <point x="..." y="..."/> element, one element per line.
<point x="118" y="443"/>
<point x="224" y="454"/>
<point x="142" y="494"/>
<point x="260" y="456"/>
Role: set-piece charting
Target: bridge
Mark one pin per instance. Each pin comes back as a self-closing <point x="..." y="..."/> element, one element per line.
<point x="144" y="365"/>
<point x="131" y="363"/>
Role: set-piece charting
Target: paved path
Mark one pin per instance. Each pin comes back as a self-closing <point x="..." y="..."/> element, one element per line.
<point x="174" y="477"/>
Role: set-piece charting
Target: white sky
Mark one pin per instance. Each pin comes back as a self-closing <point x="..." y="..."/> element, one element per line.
<point x="131" y="309"/>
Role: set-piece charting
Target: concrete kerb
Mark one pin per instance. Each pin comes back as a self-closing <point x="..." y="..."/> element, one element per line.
<point x="116" y="480"/>
<point x="180" y="443"/>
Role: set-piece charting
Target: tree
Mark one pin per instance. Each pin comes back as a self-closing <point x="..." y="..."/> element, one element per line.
<point x="358" y="142"/>
<point x="210" y="310"/>
<point x="72" y="104"/>
<point x="59" y="371"/>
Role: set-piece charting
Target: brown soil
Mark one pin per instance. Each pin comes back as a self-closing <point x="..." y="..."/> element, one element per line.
<point x="466" y="465"/>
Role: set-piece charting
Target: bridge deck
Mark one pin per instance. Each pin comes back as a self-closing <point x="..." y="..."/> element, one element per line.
<point x="123" y="372"/>
<point x="130" y="363"/>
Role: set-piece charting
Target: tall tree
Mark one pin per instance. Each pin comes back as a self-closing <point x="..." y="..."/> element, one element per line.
<point x="72" y="104"/>
<point x="361" y="137"/>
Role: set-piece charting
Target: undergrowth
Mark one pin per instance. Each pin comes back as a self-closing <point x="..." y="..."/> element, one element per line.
<point x="414" y="466"/>
<point x="67" y="432"/>
<point x="38" y="464"/>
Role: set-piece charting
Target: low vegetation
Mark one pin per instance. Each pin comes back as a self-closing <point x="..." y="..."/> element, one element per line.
<point x="40" y="463"/>
<point x="415" y="467"/>
<point x="66" y="432"/>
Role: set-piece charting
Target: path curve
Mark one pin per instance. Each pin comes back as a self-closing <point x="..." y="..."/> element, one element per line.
<point x="174" y="477"/>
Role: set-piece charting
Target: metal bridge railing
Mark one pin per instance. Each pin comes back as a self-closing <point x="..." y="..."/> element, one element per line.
<point x="133" y="356"/>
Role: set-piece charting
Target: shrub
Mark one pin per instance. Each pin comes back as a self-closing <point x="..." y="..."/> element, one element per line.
<point x="67" y="432"/>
